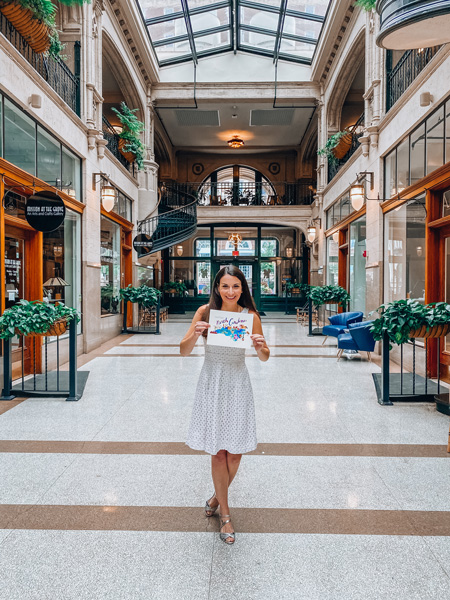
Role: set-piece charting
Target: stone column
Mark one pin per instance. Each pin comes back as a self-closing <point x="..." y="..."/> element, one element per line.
<point x="148" y="179"/>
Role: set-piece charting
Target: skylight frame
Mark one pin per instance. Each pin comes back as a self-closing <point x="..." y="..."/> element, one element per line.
<point x="235" y="26"/>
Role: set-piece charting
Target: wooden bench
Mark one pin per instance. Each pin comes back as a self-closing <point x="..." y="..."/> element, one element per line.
<point x="148" y="315"/>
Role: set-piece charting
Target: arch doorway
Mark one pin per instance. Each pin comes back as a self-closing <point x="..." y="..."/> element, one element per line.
<point x="236" y="185"/>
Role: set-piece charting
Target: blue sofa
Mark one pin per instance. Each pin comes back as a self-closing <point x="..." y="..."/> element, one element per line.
<point x="340" y="322"/>
<point x="359" y="338"/>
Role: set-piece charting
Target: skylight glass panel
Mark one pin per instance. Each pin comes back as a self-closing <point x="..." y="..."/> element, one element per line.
<point x="167" y="29"/>
<point x="302" y="28"/>
<point x="260" y="41"/>
<point x="160" y="8"/>
<point x="210" y="19"/>
<point x="172" y="50"/>
<point x="313" y="7"/>
<point x="295" y="48"/>
<point x="213" y="41"/>
<point x="261" y="19"/>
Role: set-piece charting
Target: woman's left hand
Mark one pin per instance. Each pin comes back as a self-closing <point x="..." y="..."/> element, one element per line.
<point x="259" y="341"/>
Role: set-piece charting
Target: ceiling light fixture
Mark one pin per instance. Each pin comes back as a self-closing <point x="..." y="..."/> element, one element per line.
<point x="235" y="142"/>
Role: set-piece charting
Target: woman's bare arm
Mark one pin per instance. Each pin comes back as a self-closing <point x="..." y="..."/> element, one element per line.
<point x="195" y="330"/>
<point x="259" y="342"/>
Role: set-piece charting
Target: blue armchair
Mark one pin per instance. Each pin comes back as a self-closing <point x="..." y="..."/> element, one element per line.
<point x="340" y="322"/>
<point x="359" y="338"/>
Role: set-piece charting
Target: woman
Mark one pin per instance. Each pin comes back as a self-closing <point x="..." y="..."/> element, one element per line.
<point x="223" y="418"/>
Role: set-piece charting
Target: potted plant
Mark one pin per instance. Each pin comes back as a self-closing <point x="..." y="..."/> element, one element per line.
<point x="298" y="288"/>
<point x="35" y="21"/>
<point x="175" y="287"/>
<point x="366" y="4"/>
<point x="337" y="145"/>
<point x="406" y="319"/>
<point x="144" y="295"/>
<point x="130" y="145"/>
<point x="36" y="318"/>
<point x="329" y="294"/>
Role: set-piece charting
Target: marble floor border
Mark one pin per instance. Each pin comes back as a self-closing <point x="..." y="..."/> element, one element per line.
<point x="245" y="520"/>
<point x="6" y="405"/>
<point x="263" y="449"/>
<point x="154" y="355"/>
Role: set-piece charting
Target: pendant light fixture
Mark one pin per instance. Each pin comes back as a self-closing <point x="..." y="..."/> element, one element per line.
<point x="236" y="142"/>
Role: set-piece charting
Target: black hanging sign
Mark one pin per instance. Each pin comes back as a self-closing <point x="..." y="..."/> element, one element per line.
<point x="45" y="211"/>
<point x="143" y="244"/>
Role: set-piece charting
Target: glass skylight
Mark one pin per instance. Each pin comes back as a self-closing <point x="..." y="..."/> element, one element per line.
<point x="183" y="30"/>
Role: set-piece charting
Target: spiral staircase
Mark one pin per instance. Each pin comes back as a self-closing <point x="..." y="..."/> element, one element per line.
<point x="172" y="225"/>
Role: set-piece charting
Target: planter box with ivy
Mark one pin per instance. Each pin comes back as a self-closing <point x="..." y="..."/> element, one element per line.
<point x="36" y="318"/>
<point x="329" y="294"/>
<point x="297" y="288"/>
<point x="130" y="145"/>
<point x="143" y="295"/>
<point x="175" y="287"/>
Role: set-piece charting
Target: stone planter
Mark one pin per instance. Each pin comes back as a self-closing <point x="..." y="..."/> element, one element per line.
<point x="35" y="32"/>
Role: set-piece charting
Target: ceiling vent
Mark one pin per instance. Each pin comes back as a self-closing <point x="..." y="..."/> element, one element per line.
<point x="197" y="118"/>
<point x="276" y="116"/>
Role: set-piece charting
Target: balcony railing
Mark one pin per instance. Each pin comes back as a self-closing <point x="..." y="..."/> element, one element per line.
<point x="110" y="135"/>
<point x="54" y="70"/>
<point x="400" y="77"/>
<point x="335" y="165"/>
<point x="246" y="193"/>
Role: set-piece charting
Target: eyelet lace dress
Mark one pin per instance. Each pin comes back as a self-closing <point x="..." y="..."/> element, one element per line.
<point x="223" y="417"/>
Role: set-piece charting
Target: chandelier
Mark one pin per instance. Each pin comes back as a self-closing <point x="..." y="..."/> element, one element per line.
<point x="235" y="238"/>
<point x="235" y="142"/>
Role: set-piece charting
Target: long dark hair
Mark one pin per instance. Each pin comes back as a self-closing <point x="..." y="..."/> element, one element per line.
<point x="215" y="301"/>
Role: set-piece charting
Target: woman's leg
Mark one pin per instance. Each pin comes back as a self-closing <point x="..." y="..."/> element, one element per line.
<point x="221" y="478"/>
<point x="233" y="462"/>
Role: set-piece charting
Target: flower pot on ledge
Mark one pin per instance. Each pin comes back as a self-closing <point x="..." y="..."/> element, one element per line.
<point x="57" y="328"/>
<point x="34" y="32"/>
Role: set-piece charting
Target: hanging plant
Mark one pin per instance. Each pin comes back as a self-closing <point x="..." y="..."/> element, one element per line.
<point x="36" y="318"/>
<point x="301" y="287"/>
<point x="131" y="147"/>
<point x="333" y="142"/>
<point x="329" y="294"/>
<point x="366" y="4"/>
<point x="144" y="295"/>
<point x="35" y="21"/>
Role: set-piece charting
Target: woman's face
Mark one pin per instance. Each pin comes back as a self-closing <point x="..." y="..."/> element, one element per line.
<point x="230" y="289"/>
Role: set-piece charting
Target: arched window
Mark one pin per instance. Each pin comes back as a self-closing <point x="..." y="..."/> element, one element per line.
<point x="236" y="185"/>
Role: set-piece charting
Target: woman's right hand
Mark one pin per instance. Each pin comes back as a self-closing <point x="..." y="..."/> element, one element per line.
<point x="200" y="327"/>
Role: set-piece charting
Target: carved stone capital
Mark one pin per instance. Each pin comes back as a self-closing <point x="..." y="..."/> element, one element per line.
<point x="92" y="134"/>
<point x="364" y="140"/>
<point x="373" y="132"/>
<point x="101" y="145"/>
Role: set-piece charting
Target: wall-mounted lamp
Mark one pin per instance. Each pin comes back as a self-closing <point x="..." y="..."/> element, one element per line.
<point x="419" y="250"/>
<point x="311" y="232"/>
<point x="289" y="251"/>
<point x="358" y="189"/>
<point x="180" y="250"/>
<point x="108" y="197"/>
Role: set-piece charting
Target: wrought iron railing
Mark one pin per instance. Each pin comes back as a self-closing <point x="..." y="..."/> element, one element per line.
<point x="110" y="135"/>
<point x="54" y="70"/>
<point x="173" y="226"/>
<point x="335" y="164"/>
<point x="246" y="193"/>
<point x="400" y="77"/>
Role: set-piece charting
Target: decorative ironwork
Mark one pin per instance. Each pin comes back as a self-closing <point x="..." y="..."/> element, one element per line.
<point x="245" y="193"/>
<point x="54" y="70"/>
<point x="112" y="137"/>
<point x="172" y="226"/>
<point x="335" y="165"/>
<point x="400" y="77"/>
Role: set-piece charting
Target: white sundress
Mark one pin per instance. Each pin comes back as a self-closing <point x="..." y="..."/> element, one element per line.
<point x="223" y="417"/>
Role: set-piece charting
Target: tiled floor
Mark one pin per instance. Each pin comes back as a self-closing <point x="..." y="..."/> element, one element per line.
<point x="343" y="499"/>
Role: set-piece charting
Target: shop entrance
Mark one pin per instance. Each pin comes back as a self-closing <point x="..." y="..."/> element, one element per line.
<point x="445" y="343"/>
<point x="17" y="287"/>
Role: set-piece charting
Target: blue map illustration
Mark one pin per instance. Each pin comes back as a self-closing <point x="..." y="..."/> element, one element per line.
<point x="235" y="333"/>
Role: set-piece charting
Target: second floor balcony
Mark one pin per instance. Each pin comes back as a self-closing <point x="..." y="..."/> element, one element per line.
<point x="227" y="193"/>
<point x="334" y="165"/>
<point x="112" y="137"/>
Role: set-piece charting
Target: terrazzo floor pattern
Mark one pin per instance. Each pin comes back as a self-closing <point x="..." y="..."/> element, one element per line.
<point x="141" y="391"/>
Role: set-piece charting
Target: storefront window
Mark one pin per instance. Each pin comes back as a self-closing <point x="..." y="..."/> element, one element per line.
<point x="202" y="247"/>
<point x="339" y="211"/>
<point x="62" y="262"/>
<point x="357" y="265"/>
<point x="447" y="132"/>
<point x="71" y="174"/>
<point x="110" y="267"/>
<point x="269" y="276"/>
<point x="332" y="262"/>
<point x="418" y="154"/>
<point x="390" y="174"/>
<point x="122" y="206"/>
<point x="225" y="247"/>
<point x="20" y="138"/>
<point x="404" y="249"/>
<point x="48" y="158"/>
<point x="435" y="140"/>
<point x="269" y="247"/>
<point x="203" y="278"/>
<point x="402" y="166"/>
<point x="146" y="276"/>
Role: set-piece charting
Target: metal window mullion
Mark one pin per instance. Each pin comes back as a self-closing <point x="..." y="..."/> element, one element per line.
<point x="298" y="38"/>
<point x="259" y="30"/>
<point x="210" y="7"/>
<point x="306" y="16"/>
<point x="212" y="31"/>
<point x="189" y="29"/>
<point x="280" y="27"/>
<point x="234" y="24"/>
<point x="164" y="18"/>
<point x="172" y="40"/>
<point x="257" y="6"/>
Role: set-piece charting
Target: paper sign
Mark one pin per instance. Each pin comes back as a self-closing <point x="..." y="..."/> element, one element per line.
<point x="230" y="329"/>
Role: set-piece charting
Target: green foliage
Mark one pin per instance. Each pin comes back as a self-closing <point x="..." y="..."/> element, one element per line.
<point x="304" y="288"/>
<point x="327" y="294"/>
<point x="399" y="318"/>
<point x="144" y="295"/>
<point x="34" y="317"/>
<point x="177" y="286"/>
<point x="132" y="128"/>
<point x="332" y="142"/>
<point x="366" y="4"/>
